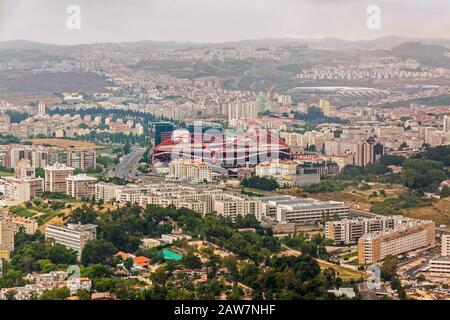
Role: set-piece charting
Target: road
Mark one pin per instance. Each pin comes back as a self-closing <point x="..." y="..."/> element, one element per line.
<point x="359" y="213"/>
<point x="123" y="168"/>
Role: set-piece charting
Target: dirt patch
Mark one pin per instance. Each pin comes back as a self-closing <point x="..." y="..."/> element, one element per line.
<point x="65" y="143"/>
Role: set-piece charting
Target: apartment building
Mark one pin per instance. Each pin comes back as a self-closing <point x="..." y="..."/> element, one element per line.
<point x="81" y="186"/>
<point x="81" y="158"/>
<point x="348" y="231"/>
<point x="445" y="241"/>
<point x="5" y="253"/>
<point x="29" y="226"/>
<point x="6" y="233"/>
<point x="410" y="235"/>
<point x="72" y="236"/>
<point x="189" y="170"/>
<point x="276" y="168"/>
<point x="105" y="191"/>
<point x="55" y="177"/>
<point x="230" y="206"/>
<point x="310" y="211"/>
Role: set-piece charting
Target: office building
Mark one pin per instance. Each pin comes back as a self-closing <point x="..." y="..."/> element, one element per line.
<point x="309" y="211"/>
<point x="163" y="131"/>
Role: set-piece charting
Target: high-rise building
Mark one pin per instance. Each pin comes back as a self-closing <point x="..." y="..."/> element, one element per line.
<point x="81" y="158"/>
<point x="238" y="111"/>
<point x="446" y="124"/>
<point x="55" y="177"/>
<point x="24" y="169"/>
<point x="40" y="109"/>
<point x="6" y="233"/>
<point x="81" y="186"/>
<point x="163" y="131"/>
<point x="445" y="238"/>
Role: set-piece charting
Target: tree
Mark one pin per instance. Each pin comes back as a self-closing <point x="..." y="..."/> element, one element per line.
<point x="97" y="251"/>
<point x="191" y="261"/>
<point x="445" y="192"/>
<point x="389" y="267"/>
<point x="59" y="254"/>
<point x="56" y="294"/>
<point x="127" y="148"/>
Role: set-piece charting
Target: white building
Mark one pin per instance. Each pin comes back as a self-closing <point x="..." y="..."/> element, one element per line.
<point x="81" y="186"/>
<point x="72" y="236"/>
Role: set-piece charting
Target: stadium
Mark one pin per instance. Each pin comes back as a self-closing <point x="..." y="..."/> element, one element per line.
<point x="227" y="151"/>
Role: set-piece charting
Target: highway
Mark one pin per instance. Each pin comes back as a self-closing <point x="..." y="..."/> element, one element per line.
<point x="359" y="213"/>
<point x="123" y="168"/>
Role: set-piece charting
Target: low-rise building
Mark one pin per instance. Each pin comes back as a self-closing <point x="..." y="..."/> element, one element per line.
<point x="230" y="206"/>
<point x="72" y="236"/>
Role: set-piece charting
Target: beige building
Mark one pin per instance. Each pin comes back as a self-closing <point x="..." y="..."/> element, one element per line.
<point x="350" y="230"/>
<point x="55" y="177"/>
<point x="81" y="186"/>
<point x="6" y="233"/>
<point x="190" y="171"/>
<point x="410" y="235"/>
<point x="445" y="238"/>
<point x="105" y="191"/>
<point x="4" y="253"/>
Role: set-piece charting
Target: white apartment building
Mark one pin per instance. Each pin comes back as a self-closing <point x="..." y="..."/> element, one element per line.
<point x="81" y="186"/>
<point x="190" y="171"/>
<point x="231" y="206"/>
<point x="105" y="191"/>
<point x="72" y="236"/>
<point x="276" y="168"/>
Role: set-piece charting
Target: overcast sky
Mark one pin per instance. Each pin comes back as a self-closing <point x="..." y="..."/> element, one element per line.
<point x="219" y="20"/>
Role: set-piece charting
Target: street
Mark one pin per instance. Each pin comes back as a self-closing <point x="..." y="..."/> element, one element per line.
<point x="123" y="168"/>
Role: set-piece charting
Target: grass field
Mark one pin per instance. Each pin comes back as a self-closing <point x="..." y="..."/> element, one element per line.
<point x="343" y="272"/>
<point x="65" y="143"/>
<point x="362" y="198"/>
<point x="439" y="211"/>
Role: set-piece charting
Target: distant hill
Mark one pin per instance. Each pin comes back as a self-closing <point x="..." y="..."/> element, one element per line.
<point x="26" y="45"/>
<point x="427" y="54"/>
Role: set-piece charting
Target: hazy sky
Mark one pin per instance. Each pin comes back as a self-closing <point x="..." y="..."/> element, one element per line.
<point x="219" y="20"/>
